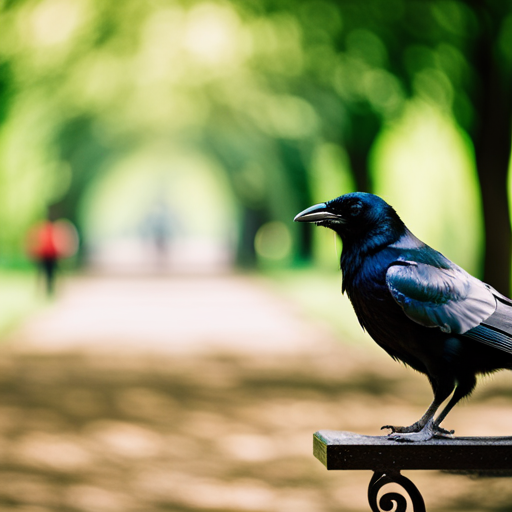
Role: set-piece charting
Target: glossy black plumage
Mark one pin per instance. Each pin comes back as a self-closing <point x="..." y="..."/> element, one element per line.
<point x="416" y="304"/>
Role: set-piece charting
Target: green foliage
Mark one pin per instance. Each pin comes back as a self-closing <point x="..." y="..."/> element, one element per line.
<point x="17" y="297"/>
<point x="283" y="102"/>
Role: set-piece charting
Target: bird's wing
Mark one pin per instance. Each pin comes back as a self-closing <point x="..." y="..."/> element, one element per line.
<point x="448" y="298"/>
<point x="496" y="330"/>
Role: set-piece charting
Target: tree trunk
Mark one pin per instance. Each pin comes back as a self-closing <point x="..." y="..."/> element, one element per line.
<point x="492" y="141"/>
<point x="252" y="220"/>
<point x="365" y="125"/>
<point x="360" y="171"/>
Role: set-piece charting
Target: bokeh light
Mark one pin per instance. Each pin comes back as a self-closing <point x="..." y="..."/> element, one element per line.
<point x="273" y="241"/>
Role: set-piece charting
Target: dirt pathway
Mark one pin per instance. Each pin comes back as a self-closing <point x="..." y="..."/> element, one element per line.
<point x="170" y="315"/>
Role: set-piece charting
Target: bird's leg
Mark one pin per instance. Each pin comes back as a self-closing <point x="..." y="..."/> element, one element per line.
<point x="426" y="428"/>
<point x="431" y="428"/>
<point x="416" y="427"/>
<point x="464" y="388"/>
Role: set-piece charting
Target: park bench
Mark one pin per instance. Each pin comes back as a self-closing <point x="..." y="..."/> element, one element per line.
<point x="348" y="451"/>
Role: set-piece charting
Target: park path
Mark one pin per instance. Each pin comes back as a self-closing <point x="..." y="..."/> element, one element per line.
<point x="194" y="394"/>
<point x="171" y="314"/>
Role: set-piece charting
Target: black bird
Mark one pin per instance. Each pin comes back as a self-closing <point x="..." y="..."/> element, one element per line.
<point x="420" y="307"/>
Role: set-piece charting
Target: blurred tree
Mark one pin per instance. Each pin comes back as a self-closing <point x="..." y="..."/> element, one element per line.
<point x="491" y="131"/>
<point x="456" y="55"/>
<point x="227" y="140"/>
<point x="257" y="86"/>
<point x="82" y="149"/>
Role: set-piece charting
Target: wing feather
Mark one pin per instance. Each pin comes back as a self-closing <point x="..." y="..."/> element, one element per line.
<point x="447" y="298"/>
<point x="496" y="330"/>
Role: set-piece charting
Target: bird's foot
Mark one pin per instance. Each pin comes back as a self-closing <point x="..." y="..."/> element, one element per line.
<point x="429" y="431"/>
<point x="412" y="437"/>
<point x="418" y="427"/>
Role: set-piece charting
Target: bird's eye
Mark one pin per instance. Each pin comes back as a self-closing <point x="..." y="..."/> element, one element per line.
<point x="355" y="208"/>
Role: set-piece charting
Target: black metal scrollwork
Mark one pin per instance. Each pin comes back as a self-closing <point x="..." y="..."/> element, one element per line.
<point x="393" y="501"/>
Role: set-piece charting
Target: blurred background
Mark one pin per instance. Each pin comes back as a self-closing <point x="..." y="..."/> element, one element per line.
<point x="190" y="338"/>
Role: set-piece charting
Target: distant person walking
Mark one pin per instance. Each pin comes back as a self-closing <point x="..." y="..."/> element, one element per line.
<point x="48" y="242"/>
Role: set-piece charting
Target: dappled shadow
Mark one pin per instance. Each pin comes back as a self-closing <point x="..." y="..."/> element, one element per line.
<point x="182" y="433"/>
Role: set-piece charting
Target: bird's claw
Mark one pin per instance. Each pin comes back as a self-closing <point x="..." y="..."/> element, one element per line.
<point x="402" y="430"/>
<point x="442" y="432"/>
<point x="415" y="428"/>
<point x="415" y="433"/>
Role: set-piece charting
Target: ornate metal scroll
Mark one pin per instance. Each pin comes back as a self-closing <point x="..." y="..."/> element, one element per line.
<point x="393" y="501"/>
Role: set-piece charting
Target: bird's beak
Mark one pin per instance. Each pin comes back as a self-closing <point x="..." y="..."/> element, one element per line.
<point x="316" y="213"/>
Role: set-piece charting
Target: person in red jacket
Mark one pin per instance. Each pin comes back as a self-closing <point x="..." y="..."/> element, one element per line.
<point x="48" y="242"/>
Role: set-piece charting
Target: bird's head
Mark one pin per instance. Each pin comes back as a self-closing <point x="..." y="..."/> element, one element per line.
<point x="356" y="216"/>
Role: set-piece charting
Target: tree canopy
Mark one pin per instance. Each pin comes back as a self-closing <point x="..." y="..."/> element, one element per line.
<point x="285" y="102"/>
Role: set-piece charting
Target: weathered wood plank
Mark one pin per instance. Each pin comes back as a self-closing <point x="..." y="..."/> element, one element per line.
<point x="347" y="450"/>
